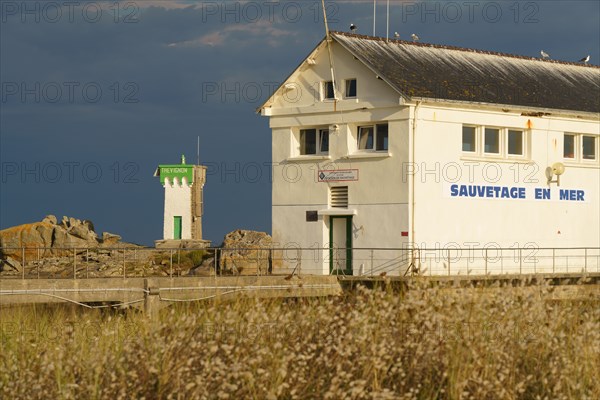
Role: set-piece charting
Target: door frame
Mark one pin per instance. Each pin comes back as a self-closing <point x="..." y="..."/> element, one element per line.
<point x="348" y="218"/>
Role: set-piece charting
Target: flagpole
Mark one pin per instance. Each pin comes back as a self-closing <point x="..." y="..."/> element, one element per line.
<point x="374" y="15"/>
<point x="387" y="29"/>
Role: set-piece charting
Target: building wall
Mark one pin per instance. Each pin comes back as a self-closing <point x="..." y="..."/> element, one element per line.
<point x="378" y="196"/>
<point x="445" y="221"/>
<point x="382" y="201"/>
<point x="178" y="200"/>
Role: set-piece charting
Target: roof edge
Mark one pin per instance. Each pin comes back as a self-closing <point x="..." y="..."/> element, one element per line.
<point x="477" y="51"/>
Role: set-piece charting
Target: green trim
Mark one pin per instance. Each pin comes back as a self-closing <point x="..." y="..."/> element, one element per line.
<point x="176" y="171"/>
<point x="177" y="228"/>
<point x="348" y="218"/>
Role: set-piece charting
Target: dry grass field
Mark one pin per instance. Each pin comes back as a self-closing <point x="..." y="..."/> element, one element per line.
<point x="371" y="344"/>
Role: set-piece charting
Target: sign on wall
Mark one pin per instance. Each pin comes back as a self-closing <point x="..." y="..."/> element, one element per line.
<point x="515" y="192"/>
<point x="340" y="175"/>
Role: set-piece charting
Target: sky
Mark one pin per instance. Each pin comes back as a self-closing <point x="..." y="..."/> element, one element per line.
<point x="94" y="95"/>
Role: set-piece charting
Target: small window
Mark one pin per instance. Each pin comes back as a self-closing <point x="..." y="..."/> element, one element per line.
<point x="350" y="88"/>
<point x="365" y="138"/>
<point x="323" y="141"/>
<point x="515" y="143"/>
<point x="569" y="146"/>
<point x="469" y="140"/>
<point x="382" y="137"/>
<point x="373" y="137"/>
<point x="328" y="92"/>
<point x="589" y="147"/>
<point x="314" y="141"/>
<point x="492" y="141"/>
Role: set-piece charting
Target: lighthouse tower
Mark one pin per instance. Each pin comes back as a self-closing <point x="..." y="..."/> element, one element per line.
<point x="184" y="205"/>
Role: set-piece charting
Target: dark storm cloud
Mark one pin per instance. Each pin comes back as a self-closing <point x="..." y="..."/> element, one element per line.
<point x="171" y="71"/>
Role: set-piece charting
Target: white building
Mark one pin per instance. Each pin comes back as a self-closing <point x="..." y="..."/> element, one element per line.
<point x="423" y="146"/>
<point x="184" y="205"/>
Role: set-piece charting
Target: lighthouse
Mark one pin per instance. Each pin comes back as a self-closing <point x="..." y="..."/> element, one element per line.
<point x="184" y="205"/>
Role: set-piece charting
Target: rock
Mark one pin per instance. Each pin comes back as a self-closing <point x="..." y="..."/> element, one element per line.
<point x="109" y="239"/>
<point x="89" y="224"/>
<point x="246" y="253"/>
<point x="82" y="231"/>
<point x="51" y="219"/>
<point x="47" y="238"/>
<point x="36" y="238"/>
<point x="10" y="264"/>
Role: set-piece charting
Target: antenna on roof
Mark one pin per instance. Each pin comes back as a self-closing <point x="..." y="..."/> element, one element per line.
<point x="328" y="36"/>
<point x="374" y="15"/>
<point x="198" y="151"/>
<point x="387" y="29"/>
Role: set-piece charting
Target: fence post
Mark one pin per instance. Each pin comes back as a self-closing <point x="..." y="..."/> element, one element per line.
<point x="299" y="261"/>
<point x="585" y="260"/>
<point x="486" y="260"/>
<point x="74" y="263"/>
<point x="171" y="264"/>
<point x="179" y="261"/>
<point x="124" y="273"/>
<point x="553" y="260"/>
<point x="520" y="263"/>
<point x="216" y="251"/>
<point x="23" y="260"/>
<point x="448" y="262"/>
<point x="371" y="262"/>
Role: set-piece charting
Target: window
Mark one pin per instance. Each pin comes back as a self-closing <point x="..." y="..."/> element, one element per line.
<point x="373" y="137"/>
<point x="314" y="141"/>
<point x="350" y="88"/>
<point x="578" y="147"/>
<point x="469" y="139"/>
<point x="569" y="146"/>
<point x="328" y="92"/>
<point x="515" y="143"/>
<point x="589" y="147"/>
<point x="492" y="141"/>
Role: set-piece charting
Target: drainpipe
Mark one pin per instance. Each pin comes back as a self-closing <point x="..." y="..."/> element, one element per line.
<point x="411" y="184"/>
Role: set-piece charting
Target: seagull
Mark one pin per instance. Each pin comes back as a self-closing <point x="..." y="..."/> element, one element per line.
<point x="353" y="28"/>
<point x="544" y="54"/>
<point x="585" y="59"/>
<point x="396" y="35"/>
<point x="414" y="37"/>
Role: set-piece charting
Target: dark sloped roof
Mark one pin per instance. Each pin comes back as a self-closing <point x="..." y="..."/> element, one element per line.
<point x="419" y="70"/>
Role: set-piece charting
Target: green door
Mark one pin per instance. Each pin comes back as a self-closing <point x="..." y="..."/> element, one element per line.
<point x="177" y="228"/>
<point x="340" y="245"/>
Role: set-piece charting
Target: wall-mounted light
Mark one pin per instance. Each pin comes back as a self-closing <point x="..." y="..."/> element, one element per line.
<point x="557" y="169"/>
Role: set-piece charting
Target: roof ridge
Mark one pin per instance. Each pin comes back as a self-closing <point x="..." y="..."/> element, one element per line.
<point x="465" y="49"/>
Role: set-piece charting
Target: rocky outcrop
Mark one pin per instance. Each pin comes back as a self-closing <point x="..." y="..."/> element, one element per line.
<point x="49" y="238"/>
<point x="246" y="253"/>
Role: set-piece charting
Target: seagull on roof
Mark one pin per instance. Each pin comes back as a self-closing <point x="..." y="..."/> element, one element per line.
<point x="544" y="54"/>
<point x="585" y="59"/>
<point x="414" y="37"/>
<point x="396" y="35"/>
<point x="353" y="28"/>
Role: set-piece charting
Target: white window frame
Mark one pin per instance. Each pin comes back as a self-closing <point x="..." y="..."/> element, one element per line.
<point x="374" y="127"/>
<point x="346" y="81"/>
<point x="503" y="145"/>
<point x="578" y="149"/>
<point x="319" y="130"/>
<point x="324" y="91"/>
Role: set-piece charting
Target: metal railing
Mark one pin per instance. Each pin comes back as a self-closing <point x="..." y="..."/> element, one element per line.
<point x="98" y="262"/>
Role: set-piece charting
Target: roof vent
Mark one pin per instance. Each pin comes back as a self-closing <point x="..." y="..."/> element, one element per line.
<point x="339" y="197"/>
